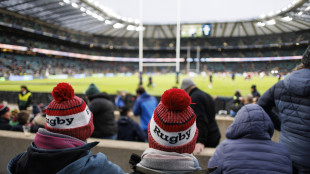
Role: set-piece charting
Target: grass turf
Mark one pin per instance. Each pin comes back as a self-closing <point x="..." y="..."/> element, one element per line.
<point x="221" y="87"/>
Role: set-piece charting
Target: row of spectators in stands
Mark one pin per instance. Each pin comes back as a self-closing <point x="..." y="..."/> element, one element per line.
<point x="155" y="43"/>
<point x="15" y="64"/>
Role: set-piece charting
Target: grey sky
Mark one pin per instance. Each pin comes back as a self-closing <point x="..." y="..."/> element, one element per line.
<point x="164" y="11"/>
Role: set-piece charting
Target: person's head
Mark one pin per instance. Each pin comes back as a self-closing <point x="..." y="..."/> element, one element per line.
<point x="187" y="83"/>
<point x="23" y="88"/>
<point x="248" y="99"/>
<point x="172" y="127"/>
<point x="253" y="88"/>
<point x="68" y="114"/>
<point x="5" y="112"/>
<point x="92" y="90"/>
<point x="23" y="117"/>
<point x="125" y="111"/>
<point x="140" y="91"/>
<point x="237" y="93"/>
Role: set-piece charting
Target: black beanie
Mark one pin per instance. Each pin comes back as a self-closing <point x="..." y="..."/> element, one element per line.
<point x="306" y="57"/>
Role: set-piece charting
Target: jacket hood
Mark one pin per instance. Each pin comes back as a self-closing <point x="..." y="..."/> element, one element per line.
<point x="37" y="160"/>
<point x="101" y="95"/>
<point x="298" y="82"/>
<point x="251" y="122"/>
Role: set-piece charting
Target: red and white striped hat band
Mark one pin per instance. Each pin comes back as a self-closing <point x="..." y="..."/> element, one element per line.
<point x="69" y="121"/>
<point x="173" y="139"/>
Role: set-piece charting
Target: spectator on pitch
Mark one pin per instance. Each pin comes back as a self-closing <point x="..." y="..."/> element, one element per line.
<point x="248" y="147"/>
<point x="172" y="137"/>
<point x="150" y="84"/>
<point x="144" y="106"/>
<point x="103" y="111"/>
<point x="14" y="120"/>
<point x="291" y="97"/>
<point x="128" y="129"/>
<point x="210" y="80"/>
<point x="24" y="98"/>
<point x="254" y="92"/>
<point x="61" y="147"/>
<point x="204" y="108"/>
<point x="5" y="117"/>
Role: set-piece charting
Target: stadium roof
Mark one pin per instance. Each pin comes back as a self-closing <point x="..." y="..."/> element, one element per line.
<point x="92" y="17"/>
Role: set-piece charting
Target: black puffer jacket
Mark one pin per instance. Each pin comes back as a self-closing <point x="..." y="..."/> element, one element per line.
<point x="103" y="113"/>
<point x="204" y="108"/>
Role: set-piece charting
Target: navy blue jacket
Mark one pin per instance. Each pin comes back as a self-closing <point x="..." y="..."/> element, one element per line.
<point x="62" y="161"/>
<point x="291" y="97"/>
<point x="144" y="106"/>
<point x="248" y="148"/>
<point x="129" y="130"/>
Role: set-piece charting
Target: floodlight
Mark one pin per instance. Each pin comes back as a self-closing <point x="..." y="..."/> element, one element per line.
<point x="260" y="24"/>
<point x="118" y="25"/>
<point x="287" y="18"/>
<point x="299" y="13"/>
<point x="83" y="9"/>
<point x="140" y="28"/>
<point x="131" y="27"/>
<point x="130" y="20"/>
<point x="271" y="22"/>
<point x="108" y="22"/>
<point x="137" y="21"/>
<point x="262" y="16"/>
<point x="308" y="8"/>
<point x="61" y="3"/>
<point x="67" y="1"/>
<point x="75" y="5"/>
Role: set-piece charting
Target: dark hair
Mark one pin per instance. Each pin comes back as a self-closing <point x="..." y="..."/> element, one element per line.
<point x="301" y="66"/>
<point x="124" y="111"/>
<point x="237" y="93"/>
<point x="253" y="86"/>
<point x="25" y="87"/>
<point x="140" y="90"/>
<point x="22" y="117"/>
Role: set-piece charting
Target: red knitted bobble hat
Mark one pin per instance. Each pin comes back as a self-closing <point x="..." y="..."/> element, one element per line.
<point x="172" y="127"/>
<point x="68" y="114"/>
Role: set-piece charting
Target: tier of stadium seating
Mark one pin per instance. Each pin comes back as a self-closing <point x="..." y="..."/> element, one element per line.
<point x="35" y="24"/>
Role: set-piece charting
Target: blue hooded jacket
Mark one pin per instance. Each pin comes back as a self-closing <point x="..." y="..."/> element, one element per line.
<point x="248" y="148"/>
<point x="145" y="106"/>
<point x="291" y="97"/>
<point x="62" y="161"/>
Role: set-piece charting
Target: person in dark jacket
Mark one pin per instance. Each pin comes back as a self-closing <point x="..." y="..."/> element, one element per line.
<point x="5" y="117"/>
<point x="144" y="106"/>
<point x="291" y="97"/>
<point x="61" y="147"/>
<point x="248" y="147"/>
<point x="103" y="110"/>
<point x="128" y="129"/>
<point x="204" y="108"/>
<point x="254" y="92"/>
<point x="24" y="98"/>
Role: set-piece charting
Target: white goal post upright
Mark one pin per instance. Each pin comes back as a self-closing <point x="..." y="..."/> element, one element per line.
<point x="178" y="42"/>
<point x="141" y="41"/>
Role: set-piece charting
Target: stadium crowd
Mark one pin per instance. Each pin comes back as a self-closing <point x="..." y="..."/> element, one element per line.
<point x="182" y="123"/>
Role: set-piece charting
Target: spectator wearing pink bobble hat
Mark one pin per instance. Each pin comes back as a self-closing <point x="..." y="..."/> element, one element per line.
<point x="172" y="135"/>
<point x="61" y="147"/>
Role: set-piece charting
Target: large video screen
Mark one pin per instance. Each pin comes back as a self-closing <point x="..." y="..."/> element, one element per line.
<point x="191" y="31"/>
<point x="197" y="30"/>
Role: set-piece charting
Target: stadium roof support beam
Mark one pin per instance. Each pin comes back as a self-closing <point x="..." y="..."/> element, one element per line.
<point x="48" y="9"/>
<point x="262" y="30"/>
<point x="254" y="28"/>
<point x="302" y="23"/>
<point x="279" y="28"/>
<point x="244" y="29"/>
<point x="18" y="4"/>
<point x="77" y="21"/>
<point x="286" y="23"/>
<point x="290" y="29"/>
<point x="225" y="27"/>
<point x="233" y="29"/>
<point x="124" y="34"/>
<point x="171" y="30"/>
<point x="37" y="6"/>
<point x="214" y="30"/>
<point x="68" y="17"/>
<point x="153" y="33"/>
<point x="87" y="25"/>
<point x="162" y="30"/>
<point x="94" y="28"/>
<point x="133" y="34"/>
<point x="270" y="30"/>
<point x="106" y="30"/>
